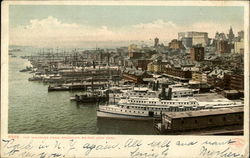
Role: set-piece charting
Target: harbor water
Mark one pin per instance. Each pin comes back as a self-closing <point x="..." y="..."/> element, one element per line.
<point x="34" y="110"/>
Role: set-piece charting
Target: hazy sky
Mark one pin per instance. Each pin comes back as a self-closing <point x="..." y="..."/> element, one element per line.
<point x="79" y="26"/>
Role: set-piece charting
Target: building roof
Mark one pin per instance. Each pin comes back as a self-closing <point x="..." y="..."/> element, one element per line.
<point x="175" y="115"/>
<point x="134" y="72"/>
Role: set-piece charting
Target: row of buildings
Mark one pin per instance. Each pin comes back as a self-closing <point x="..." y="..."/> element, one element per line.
<point x="193" y="57"/>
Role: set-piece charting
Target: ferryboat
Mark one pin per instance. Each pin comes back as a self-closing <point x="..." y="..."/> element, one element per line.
<point x="145" y="92"/>
<point x="140" y="108"/>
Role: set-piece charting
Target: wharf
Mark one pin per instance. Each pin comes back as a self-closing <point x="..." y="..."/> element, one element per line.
<point x="204" y="122"/>
<point x="224" y="130"/>
<point x="77" y="86"/>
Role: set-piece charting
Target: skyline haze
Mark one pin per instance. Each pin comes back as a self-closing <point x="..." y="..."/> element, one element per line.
<point x="109" y="26"/>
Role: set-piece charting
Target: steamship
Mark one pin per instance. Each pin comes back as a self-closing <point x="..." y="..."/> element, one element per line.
<point x="140" y="108"/>
<point x="150" y="92"/>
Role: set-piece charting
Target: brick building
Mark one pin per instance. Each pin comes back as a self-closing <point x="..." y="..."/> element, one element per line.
<point x="223" y="47"/>
<point x="143" y="63"/>
<point x="176" y="44"/>
<point x="178" y="73"/>
<point x="135" y="76"/>
<point x="197" y="53"/>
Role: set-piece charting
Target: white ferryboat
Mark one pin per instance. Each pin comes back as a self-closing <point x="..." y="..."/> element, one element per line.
<point x="149" y="108"/>
<point x="145" y="92"/>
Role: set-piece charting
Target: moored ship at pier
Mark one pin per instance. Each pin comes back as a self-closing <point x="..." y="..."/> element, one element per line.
<point x="148" y="108"/>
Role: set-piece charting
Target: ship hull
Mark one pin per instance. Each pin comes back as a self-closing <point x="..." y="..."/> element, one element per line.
<point x="109" y="115"/>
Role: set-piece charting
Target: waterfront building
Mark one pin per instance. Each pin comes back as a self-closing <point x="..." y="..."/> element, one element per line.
<point x="197" y="53"/>
<point x="232" y="94"/>
<point x="177" y="74"/>
<point x="135" y="76"/>
<point x="214" y="121"/>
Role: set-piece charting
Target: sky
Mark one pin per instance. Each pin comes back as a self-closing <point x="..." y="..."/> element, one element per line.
<point x="88" y="26"/>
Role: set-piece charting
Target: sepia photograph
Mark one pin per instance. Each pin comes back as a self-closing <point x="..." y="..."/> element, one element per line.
<point x="125" y="69"/>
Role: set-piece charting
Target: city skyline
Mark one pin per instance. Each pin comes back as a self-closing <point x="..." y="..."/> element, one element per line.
<point x="107" y="26"/>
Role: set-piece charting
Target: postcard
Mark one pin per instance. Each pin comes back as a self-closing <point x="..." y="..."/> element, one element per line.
<point x="128" y="79"/>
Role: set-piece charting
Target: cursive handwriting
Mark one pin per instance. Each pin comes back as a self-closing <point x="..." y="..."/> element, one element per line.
<point x="221" y="153"/>
<point x="181" y="143"/>
<point x="160" y="144"/>
<point x="90" y="147"/>
<point x="218" y="143"/>
<point x="14" y="148"/>
<point x="132" y="143"/>
<point x="131" y="147"/>
<point x="138" y="153"/>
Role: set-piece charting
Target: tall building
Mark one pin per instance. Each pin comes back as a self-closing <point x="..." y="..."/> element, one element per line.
<point x="132" y="50"/>
<point x="239" y="46"/>
<point x="197" y="53"/>
<point x="220" y="36"/>
<point x="230" y="35"/>
<point x="187" y="42"/>
<point x="241" y="34"/>
<point x="175" y="44"/>
<point x="156" y="42"/>
<point x="223" y="47"/>
<point x="197" y="37"/>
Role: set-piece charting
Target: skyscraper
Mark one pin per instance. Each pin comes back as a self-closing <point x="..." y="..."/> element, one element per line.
<point x="230" y="35"/>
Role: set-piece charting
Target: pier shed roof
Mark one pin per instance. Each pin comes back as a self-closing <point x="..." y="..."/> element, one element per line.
<point x="175" y="115"/>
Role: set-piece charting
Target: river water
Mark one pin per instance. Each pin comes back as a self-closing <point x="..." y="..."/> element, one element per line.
<point x="32" y="109"/>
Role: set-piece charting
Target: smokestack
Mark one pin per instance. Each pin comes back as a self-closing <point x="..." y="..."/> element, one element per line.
<point x="163" y="94"/>
<point x="157" y="86"/>
<point x="169" y="93"/>
<point x="153" y="86"/>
